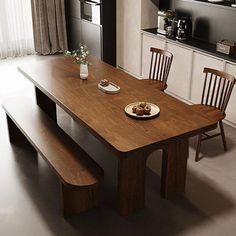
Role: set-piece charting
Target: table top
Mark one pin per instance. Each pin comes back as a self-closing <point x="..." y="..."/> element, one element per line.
<point x="103" y="114"/>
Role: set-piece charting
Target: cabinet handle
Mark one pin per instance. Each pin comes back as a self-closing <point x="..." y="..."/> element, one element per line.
<point x="92" y="3"/>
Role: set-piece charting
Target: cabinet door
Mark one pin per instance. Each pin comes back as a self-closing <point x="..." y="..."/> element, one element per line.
<point x="180" y="71"/>
<point x="231" y="111"/>
<point x="75" y="8"/>
<point x="149" y="42"/>
<point x="128" y="35"/>
<point x="199" y="62"/>
<point x="75" y="32"/>
<point x="91" y="36"/>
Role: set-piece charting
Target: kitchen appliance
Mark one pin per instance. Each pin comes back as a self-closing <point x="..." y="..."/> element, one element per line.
<point x="93" y="22"/>
<point x="171" y="31"/>
<point x="91" y="11"/>
<point x="164" y="20"/>
<point x="184" y="29"/>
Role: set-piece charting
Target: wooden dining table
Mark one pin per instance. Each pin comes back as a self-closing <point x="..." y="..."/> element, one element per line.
<point x="57" y="82"/>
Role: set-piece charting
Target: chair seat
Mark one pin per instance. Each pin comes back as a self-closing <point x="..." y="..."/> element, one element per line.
<point x="156" y="83"/>
<point x="209" y="111"/>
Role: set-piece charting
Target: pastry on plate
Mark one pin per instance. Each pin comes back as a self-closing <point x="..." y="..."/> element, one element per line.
<point x="134" y="108"/>
<point x="142" y="104"/>
<point x="104" y="82"/>
<point x="141" y="108"/>
<point x="139" y="111"/>
<point x="147" y="109"/>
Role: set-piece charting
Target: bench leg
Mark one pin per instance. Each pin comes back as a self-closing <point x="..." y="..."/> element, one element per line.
<point x="46" y="104"/>
<point x="75" y="201"/>
<point x="16" y="136"/>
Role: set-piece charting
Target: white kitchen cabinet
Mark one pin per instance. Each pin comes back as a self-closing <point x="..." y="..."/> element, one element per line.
<point x="186" y="78"/>
<point x="180" y="71"/>
<point x="149" y="42"/>
<point x="199" y="62"/>
<point x="132" y="16"/>
<point x="231" y="109"/>
<point x="128" y="35"/>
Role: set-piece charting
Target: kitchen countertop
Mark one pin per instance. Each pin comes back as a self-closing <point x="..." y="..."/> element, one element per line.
<point x="224" y="5"/>
<point x="195" y="44"/>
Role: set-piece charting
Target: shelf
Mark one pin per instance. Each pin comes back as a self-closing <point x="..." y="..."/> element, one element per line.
<point x="225" y="5"/>
<point x="195" y="44"/>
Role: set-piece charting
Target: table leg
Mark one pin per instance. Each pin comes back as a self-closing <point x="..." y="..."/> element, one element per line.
<point x="46" y="104"/>
<point x="131" y="183"/>
<point x="174" y="167"/>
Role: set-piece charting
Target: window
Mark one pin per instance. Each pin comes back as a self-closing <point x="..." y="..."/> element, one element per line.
<point x="16" y="31"/>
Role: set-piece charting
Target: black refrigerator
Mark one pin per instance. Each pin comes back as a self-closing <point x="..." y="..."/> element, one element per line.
<point x="94" y="24"/>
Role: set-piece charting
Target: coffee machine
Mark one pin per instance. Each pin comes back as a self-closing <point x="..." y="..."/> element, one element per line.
<point x="184" y="29"/>
<point x="165" y="18"/>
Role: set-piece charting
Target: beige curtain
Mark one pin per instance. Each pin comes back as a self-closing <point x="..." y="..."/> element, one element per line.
<point x="49" y="26"/>
<point x="16" y="33"/>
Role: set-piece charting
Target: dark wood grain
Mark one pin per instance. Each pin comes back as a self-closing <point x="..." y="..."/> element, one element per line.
<point x="74" y="201"/>
<point x="103" y="115"/>
<point x="174" y="166"/>
<point x="131" y="181"/>
<point x="16" y="136"/>
<point x="46" y="104"/>
<point x="75" y="169"/>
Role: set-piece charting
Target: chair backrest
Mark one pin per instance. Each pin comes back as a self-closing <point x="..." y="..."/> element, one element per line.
<point x="160" y="65"/>
<point x="217" y="89"/>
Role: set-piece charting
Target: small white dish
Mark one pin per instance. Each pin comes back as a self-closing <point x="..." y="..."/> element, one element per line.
<point x="111" y="88"/>
<point x="155" y="110"/>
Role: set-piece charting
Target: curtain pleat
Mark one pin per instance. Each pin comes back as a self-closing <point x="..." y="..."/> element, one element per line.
<point x="16" y="32"/>
<point x="49" y="26"/>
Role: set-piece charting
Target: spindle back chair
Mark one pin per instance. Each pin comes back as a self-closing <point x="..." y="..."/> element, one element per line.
<point x="217" y="89"/>
<point x="161" y="61"/>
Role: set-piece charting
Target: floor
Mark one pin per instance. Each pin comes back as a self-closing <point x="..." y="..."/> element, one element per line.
<point x="29" y="191"/>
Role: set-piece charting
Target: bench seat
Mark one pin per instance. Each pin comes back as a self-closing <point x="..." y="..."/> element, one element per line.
<point x="79" y="175"/>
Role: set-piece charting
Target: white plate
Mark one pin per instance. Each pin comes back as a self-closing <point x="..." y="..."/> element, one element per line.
<point x="155" y="110"/>
<point x="111" y="88"/>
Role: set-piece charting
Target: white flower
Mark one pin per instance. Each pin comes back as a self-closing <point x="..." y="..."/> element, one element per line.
<point x="80" y="55"/>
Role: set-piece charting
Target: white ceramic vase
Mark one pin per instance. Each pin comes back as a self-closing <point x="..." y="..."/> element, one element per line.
<point x="83" y="71"/>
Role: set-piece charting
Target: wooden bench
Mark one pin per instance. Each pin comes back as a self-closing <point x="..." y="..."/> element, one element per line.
<point x="79" y="175"/>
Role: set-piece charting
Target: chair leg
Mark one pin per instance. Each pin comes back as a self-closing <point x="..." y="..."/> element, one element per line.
<point x="198" y="147"/>
<point x="223" y="134"/>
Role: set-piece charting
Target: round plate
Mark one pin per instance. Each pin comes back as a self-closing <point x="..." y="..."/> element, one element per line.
<point x="155" y="110"/>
